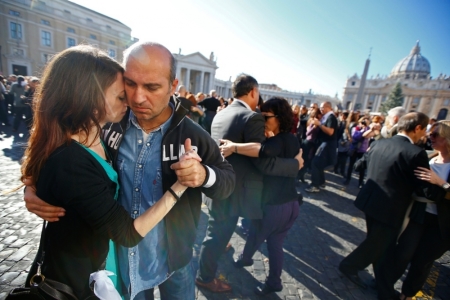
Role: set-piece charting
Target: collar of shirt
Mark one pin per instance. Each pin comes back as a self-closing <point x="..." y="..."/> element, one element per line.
<point x="325" y="117"/>
<point x="401" y="134"/>
<point x="243" y="103"/>
<point x="132" y="120"/>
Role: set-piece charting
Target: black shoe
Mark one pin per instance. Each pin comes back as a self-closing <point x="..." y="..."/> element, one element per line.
<point x="265" y="289"/>
<point x="353" y="277"/>
<point x="240" y="263"/>
<point x="346" y="182"/>
<point x="243" y="229"/>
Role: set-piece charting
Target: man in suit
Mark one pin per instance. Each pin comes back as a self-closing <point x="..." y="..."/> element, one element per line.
<point x="210" y="104"/>
<point x="385" y="198"/>
<point x="241" y="124"/>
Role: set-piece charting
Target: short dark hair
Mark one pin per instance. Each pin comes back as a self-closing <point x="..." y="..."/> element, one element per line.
<point x="282" y="109"/>
<point x="410" y="121"/>
<point x="243" y="85"/>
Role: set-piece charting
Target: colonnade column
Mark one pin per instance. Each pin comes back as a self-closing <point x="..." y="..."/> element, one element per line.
<point x="188" y="80"/>
<point x="421" y="104"/>
<point x="434" y="110"/>
<point x="211" y="81"/>
<point x="202" y="78"/>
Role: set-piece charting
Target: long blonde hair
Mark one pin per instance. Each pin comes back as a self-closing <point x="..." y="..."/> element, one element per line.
<point x="443" y="129"/>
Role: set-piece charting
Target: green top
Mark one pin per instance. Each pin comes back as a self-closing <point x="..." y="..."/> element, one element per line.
<point x="112" y="174"/>
<point x="111" y="260"/>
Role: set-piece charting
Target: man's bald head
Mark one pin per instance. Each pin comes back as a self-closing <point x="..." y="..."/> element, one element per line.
<point x="140" y="50"/>
<point x="325" y="107"/>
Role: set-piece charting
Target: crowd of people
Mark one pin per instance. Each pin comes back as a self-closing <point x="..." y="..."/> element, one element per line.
<point x="118" y="160"/>
<point x="16" y="98"/>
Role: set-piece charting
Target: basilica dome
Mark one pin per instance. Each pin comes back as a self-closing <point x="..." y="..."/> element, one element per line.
<point x="414" y="66"/>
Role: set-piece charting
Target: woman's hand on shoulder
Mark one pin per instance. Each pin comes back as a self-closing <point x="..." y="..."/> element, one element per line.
<point x="428" y="175"/>
<point x="269" y="134"/>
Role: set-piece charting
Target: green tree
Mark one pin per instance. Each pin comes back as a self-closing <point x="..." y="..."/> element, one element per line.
<point x="395" y="99"/>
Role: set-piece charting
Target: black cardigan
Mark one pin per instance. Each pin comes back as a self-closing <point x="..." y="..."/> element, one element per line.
<point x="279" y="190"/>
<point x="77" y="244"/>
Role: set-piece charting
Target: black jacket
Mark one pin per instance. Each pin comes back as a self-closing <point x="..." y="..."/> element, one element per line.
<point x="391" y="180"/>
<point x="181" y="222"/>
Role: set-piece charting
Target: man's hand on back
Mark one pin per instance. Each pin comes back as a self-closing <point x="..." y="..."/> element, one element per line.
<point x="38" y="207"/>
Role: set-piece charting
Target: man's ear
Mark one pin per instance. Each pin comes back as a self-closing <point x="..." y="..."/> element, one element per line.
<point x="253" y="94"/>
<point x="174" y="86"/>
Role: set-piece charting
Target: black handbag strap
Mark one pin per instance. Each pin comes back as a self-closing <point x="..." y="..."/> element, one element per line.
<point x="57" y="290"/>
<point x="42" y="242"/>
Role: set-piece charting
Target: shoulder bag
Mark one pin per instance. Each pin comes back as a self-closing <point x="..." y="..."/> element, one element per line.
<point x="42" y="288"/>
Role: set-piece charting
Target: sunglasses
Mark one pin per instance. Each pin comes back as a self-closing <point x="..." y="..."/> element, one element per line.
<point x="268" y="117"/>
<point x="434" y="134"/>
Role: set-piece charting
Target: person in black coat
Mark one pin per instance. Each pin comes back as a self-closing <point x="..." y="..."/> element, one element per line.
<point x="385" y="198"/>
<point x="427" y="235"/>
<point x="210" y="105"/>
<point x="241" y="124"/>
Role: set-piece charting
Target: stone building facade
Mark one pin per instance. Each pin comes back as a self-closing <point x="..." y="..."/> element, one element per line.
<point x="421" y="92"/>
<point x="33" y="31"/>
<point x="196" y="72"/>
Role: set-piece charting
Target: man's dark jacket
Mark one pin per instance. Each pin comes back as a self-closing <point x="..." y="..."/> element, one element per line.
<point x="181" y="222"/>
<point x="391" y="180"/>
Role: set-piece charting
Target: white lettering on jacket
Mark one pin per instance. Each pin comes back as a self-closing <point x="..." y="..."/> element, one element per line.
<point x="114" y="140"/>
<point x="171" y="155"/>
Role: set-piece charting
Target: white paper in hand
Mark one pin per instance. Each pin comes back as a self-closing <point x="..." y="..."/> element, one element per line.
<point x="104" y="288"/>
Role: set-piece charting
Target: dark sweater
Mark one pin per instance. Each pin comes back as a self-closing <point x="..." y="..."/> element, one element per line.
<point x="77" y="245"/>
<point x="279" y="190"/>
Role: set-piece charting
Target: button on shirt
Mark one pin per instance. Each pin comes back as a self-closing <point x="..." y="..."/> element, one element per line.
<point x="139" y="164"/>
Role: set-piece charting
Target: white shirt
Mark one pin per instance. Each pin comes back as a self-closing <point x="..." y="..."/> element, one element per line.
<point x="325" y="117"/>
<point x="244" y="103"/>
<point x="441" y="169"/>
<point x="401" y="134"/>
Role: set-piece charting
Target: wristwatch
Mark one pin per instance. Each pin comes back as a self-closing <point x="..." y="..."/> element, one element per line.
<point x="446" y="186"/>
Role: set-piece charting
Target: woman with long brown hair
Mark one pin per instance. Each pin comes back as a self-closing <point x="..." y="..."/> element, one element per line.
<point x="81" y="90"/>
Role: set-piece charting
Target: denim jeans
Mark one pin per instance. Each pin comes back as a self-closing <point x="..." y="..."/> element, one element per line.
<point x="179" y="286"/>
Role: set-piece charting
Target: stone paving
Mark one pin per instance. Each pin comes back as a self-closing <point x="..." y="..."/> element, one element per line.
<point x="327" y="229"/>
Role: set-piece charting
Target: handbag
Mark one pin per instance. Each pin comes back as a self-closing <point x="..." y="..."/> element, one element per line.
<point x="42" y="288"/>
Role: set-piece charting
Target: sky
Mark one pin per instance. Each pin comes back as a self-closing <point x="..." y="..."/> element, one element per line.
<point x="299" y="45"/>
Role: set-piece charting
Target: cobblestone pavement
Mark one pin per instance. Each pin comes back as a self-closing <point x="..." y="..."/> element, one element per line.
<point x="327" y="229"/>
